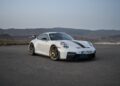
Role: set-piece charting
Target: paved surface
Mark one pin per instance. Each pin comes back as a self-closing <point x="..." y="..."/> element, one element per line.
<point x="18" y="68"/>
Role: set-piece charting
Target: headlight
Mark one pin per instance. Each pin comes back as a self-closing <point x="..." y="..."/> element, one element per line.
<point x="64" y="45"/>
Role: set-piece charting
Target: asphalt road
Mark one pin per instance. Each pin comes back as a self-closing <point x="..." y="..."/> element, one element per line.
<point x="18" y="68"/>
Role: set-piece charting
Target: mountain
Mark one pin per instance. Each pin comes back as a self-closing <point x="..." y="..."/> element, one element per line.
<point x="77" y="33"/>
<point x="5" y="36"/>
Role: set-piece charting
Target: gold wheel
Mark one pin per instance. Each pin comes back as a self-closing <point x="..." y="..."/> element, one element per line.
<point x="54" y="54"/>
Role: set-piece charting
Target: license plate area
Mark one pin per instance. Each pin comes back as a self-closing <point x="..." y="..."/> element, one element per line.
<point x="86" y="52"/>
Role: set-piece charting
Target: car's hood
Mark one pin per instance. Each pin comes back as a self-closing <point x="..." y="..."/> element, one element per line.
<point x="74" y="43"/>
<point x="85" y="43"/>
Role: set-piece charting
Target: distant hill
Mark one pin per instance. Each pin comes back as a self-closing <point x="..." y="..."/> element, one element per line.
<point x="5" y="36"/>
<point x="77" y="33"/>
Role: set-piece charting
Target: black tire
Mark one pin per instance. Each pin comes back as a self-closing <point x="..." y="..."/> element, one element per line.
<point x="54" y="53"/>
<point x="31" y="49"/>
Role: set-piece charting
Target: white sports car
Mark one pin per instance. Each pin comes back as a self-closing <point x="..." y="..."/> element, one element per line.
<point x="59" y="45"/>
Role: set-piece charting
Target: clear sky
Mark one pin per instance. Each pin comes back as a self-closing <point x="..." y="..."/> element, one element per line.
<point x="79" y="14"/>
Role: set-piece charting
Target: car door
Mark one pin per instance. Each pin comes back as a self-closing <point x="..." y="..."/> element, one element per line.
<point x="43" y="44"/>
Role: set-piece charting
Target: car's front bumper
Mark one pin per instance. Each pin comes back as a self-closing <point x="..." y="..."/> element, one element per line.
<point x="71" y="55"/>
<point x="77" y="53"/>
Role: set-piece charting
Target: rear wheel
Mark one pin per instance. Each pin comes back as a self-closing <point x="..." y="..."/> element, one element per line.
<point x="54" y="53"/>
<point x="31" y="49"/>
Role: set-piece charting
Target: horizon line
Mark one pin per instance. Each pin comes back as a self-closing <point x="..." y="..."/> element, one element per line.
<point x="58" y="28"/>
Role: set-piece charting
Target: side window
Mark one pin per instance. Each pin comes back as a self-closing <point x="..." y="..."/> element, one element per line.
<point x="43" y="37"/>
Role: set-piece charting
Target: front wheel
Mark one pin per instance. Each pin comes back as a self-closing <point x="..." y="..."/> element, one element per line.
<point x="54" y="53"/>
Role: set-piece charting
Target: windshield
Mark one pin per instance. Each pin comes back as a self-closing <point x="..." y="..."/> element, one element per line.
<point x="60" y="36"/>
